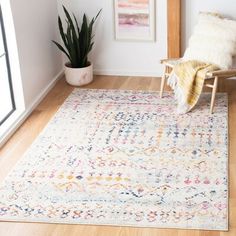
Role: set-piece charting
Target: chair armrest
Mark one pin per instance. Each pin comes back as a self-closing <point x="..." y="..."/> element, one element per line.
<point x="222" y="73"/>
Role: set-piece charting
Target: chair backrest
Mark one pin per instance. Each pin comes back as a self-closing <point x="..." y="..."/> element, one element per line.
<point x="213" y="41"/>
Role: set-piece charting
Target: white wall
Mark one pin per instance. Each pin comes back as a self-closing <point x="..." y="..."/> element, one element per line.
<point x="190" y="11"/>
<point x="36" y="25"/>
<point x="122" y="58"/>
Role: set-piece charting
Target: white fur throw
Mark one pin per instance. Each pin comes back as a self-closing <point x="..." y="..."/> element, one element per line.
<point x="213" y="41"/>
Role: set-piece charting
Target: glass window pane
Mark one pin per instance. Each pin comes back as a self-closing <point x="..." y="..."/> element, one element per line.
<point x="2" y="50"/>
<point x="5" y="94"/>
<point x="7" y="104"/>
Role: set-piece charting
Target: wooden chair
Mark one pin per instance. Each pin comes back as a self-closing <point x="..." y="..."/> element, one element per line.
<point x="215" y="75"/>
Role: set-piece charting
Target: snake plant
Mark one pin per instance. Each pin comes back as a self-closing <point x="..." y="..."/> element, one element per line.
<point x="78" y="41"/>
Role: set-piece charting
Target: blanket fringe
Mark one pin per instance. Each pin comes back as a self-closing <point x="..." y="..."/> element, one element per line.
<point x="182" y="107"/>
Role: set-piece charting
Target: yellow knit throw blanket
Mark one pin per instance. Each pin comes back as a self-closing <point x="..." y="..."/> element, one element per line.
<point x="187" y="80"/>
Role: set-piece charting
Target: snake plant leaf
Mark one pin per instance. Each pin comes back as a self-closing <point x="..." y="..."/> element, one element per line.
<point x="77" y="25"/>
<point x="62" y="49"/>
<point x="76" y="50"/>
<point x="78" y="45"/>
<point x="90" y="29"/>
<point x="91" y="46"/>
<point x="62" y="31"/>
<point x="71" y="47"/>
<point x="70" y="21"/>
<point x="83" y="38"/>
<point x="98" y="14"/>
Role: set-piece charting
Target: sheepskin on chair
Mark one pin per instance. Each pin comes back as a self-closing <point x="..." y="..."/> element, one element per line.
<point x="213" y="41"/>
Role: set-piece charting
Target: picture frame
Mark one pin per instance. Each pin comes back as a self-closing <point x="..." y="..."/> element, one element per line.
<point x="135" y="20"/>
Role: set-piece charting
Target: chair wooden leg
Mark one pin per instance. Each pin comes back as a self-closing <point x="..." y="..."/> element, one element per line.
<point x="163" y="81"/>
<point x="213" y="96"/>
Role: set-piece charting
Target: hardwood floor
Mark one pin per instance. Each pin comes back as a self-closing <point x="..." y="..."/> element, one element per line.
<point x="25" y="135"/>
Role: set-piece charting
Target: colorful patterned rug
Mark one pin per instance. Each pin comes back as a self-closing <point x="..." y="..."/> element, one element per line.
<point x="124" y="158"/>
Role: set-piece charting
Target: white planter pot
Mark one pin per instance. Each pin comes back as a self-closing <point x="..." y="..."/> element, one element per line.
<point x="79" y="76"/>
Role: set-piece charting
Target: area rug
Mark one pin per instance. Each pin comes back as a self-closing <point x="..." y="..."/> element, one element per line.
<point x="124" y="158"/>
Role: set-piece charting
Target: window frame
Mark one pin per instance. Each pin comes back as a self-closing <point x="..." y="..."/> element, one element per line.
<point x="2" y="25"/>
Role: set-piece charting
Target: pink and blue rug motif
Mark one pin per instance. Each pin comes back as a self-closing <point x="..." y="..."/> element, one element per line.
<point x="124" y="158"/>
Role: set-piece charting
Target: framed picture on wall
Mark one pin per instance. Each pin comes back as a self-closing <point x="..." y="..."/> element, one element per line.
<point x="135" y="20"/>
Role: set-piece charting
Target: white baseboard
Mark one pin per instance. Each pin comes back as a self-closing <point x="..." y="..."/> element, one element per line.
<point x="44" y="92"/>
<point x="127" y="73"/>
<point x="25" y="114"/>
